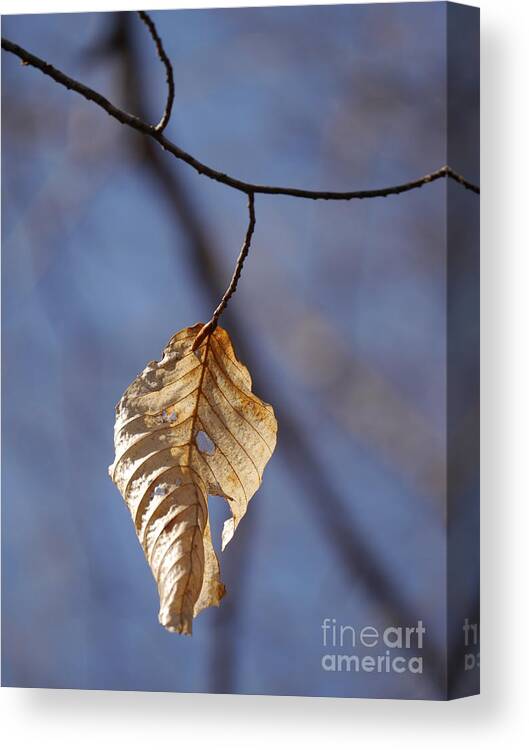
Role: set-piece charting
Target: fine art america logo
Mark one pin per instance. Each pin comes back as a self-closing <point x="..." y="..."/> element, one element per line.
<point x="369" y="649"/>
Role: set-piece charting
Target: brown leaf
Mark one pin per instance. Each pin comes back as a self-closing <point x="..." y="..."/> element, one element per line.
<point x="189" y="426"/>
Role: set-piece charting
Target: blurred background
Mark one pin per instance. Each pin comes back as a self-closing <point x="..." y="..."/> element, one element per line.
<point x="110" y="246"/>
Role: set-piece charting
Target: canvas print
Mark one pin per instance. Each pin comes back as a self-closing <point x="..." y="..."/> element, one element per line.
<point x="240" y="351"/>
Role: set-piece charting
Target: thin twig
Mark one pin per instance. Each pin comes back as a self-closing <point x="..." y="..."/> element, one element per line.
<point x="147" y="20"/>
<point x="245" y="187"/>
<point x="156" y="133"/>
<point x="232" y="286"/>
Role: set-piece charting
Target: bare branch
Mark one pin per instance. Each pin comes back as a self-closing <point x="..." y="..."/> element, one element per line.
<point x="245" y="187"/>
<point x="232" y="286"/>
<point x="147" y="20"/>
<point x="156" y="133"/>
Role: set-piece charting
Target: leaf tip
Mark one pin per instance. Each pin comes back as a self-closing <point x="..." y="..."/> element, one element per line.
<point x="180" y="625"/>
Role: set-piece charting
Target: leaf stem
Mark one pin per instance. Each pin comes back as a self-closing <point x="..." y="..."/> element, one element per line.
<point x="232" y="286"/>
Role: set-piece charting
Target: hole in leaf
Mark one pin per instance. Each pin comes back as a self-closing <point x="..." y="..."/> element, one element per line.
<point x="164" y="488"/>
<point x="205" y="443"/>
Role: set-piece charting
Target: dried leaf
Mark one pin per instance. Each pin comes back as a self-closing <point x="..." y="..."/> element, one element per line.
<point x="189" y="426"/>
